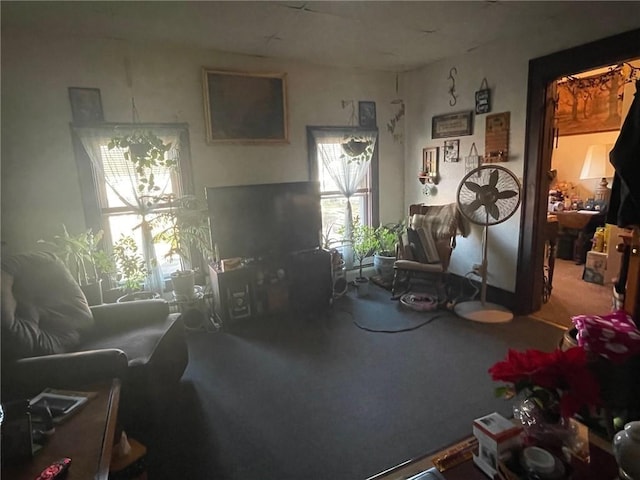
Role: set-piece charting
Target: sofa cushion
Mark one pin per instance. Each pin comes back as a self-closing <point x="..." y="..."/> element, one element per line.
<point x="43" y="307"/>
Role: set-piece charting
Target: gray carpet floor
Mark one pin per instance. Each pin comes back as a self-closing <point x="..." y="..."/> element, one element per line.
<point x="317" y="397"/>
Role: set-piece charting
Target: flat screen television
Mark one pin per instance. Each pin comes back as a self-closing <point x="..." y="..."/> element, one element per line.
<point x="258" y="221"/>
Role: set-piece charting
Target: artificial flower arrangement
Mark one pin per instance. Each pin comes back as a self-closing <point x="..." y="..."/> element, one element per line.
<point x="560" y="382"/>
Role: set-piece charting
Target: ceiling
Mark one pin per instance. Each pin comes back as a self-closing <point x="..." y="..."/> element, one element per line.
<point x="380" y="35"/>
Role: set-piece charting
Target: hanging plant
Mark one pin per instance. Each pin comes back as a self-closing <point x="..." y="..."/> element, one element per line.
<point x="357" y="148"/>
<point x="146" y="151"/>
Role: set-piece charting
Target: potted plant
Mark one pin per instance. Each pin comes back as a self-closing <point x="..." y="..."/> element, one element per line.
<point x="85" y="260"/>
<point x="357" y="148"/>
<point x="184" y="226"/>
<point x="146" y="151"/>
<point x="132" y="270"/>
<point x="365" y="244"/>
<point x="385" y="255"/>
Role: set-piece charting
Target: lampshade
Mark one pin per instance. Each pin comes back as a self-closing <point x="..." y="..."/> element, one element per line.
<point x="596" y="162"/>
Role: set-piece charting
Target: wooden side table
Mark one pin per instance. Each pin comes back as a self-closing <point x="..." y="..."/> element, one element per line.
<point x="86" y="438"/>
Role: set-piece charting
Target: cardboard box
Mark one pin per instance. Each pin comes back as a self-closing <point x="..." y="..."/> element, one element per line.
<point x="595" y="267"/>
<point x="496" y="436"/>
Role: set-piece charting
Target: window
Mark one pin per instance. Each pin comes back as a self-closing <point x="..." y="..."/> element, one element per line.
<point x="339" y="177"/>
<point x="112" y="181"/>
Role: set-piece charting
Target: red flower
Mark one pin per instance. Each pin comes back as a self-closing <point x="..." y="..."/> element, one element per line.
<point x="564" y="372"/>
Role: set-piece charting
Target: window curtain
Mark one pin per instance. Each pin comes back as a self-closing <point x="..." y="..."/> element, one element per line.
<point x="121" y="178"/>
<point x="346" y="172"/>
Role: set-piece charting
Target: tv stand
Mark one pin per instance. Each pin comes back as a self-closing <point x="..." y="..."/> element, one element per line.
<point x="293" y="283"/>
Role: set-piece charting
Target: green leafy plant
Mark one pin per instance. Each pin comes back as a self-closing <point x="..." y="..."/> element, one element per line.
<point x="184" y="226"/>
<point x="146" y="151"/>
<point x="387" y="238"/>
<point x="365" y="243"/>
<point x="81" y="254"/>
<point x="131" y="266"/>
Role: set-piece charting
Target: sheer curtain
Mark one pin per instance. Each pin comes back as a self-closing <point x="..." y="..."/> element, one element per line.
<point x="346" y="172"/>
<point x="121" y="181"/>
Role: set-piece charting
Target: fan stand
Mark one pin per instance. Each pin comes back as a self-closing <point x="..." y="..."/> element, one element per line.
<point x="483" y="311"/>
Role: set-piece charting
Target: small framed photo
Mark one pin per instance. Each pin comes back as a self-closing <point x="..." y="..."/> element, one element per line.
<point x="86" y="105"/>
<point x="430" y="161"/>
<point x="367" y="114"/>
<point x="451" y="150"/>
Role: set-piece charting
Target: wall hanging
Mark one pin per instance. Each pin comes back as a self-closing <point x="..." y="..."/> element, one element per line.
<point x="483" y="98"/>
<point x="367" y="114"/>
<point x="590" y="104"/>
<point x="86" y="105"/>
<point x="472" y="160"/>
<point x="429" y="173"/>
<point x="245" y="107"/>
<point x="452" y="125"/>
<point x="496" y="141"/>
<point x="451" y="150"/>
<point x="452" y="88"/>
<point x="392" y="124"/>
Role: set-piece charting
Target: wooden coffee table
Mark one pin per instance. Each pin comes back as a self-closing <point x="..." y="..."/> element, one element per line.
<point x="601" y="465"/>
<point x="86" y="438"/>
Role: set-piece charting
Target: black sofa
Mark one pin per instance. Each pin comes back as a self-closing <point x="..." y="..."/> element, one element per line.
<point x="52" y="338"/>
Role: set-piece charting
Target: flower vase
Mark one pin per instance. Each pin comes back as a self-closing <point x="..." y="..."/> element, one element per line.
<point x="544" y="426"/>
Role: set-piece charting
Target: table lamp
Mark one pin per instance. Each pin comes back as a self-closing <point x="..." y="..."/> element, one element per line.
<point x="596" y="165"/>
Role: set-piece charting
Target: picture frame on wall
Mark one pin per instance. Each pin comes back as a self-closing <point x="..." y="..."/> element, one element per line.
<point x="451" y="150"/>
<point x="452" y="125"/>
<point x="367" y="114"/>
<point x="430" y="161"/>
<point x="86" y="105"/>
<point x="603" y="110"/>
<point x="245" y="107"/>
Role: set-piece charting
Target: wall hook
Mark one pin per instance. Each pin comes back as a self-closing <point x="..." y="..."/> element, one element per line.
<point x="452" y="88"/>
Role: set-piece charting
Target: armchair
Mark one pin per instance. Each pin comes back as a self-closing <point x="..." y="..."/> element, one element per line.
<point x="51" y="338"/>
<point x="424" y="249"/>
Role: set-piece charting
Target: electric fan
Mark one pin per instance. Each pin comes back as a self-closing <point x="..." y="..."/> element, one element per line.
<point x="487" y="195"/>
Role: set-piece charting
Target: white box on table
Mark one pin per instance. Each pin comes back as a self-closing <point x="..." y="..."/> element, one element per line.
<point x="496" y="435"/>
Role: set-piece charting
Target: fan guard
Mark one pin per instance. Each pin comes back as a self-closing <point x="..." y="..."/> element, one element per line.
<point x="487" y="195"/>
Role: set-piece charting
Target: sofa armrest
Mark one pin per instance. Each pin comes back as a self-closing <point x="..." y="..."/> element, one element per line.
<point x="116" y="317"/>
<point x="29" y="376"/>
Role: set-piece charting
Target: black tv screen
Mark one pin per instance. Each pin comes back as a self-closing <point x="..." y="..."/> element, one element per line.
<point x="255" y="221"/>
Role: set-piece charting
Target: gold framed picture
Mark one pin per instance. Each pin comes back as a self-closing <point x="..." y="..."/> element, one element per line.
<point x="245" y="107"/>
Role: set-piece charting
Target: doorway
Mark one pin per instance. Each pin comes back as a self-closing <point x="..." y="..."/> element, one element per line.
<point x="590" y="109"/>
<point x="540" y="135"/>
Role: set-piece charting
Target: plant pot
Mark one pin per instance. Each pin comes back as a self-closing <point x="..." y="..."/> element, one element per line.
<point x="93" y="293"/>
<point x="183" y="283"/>
<point x="141" y="295"/>
<point x="383" y="266"/>
<point x="111" y="295"/>
<point x="354" y="148"/>
<point x="362" y="286"/>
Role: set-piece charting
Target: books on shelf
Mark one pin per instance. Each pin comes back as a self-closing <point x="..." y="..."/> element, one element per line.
<point x="61" y="403"/>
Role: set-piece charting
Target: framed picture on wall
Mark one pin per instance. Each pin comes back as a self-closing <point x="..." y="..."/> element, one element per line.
<point x="590" y="104"/>
<point x="86" y="105"/>
<point x="452" y="125"/>
<point x="245" y="107"/>
<point x="367" y="114"/>
<point x="451" y="150"/>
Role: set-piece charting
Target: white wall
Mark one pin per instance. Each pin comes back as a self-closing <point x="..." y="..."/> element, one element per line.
<point x="40" y="187"/>
<point x="426" y="92"/>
